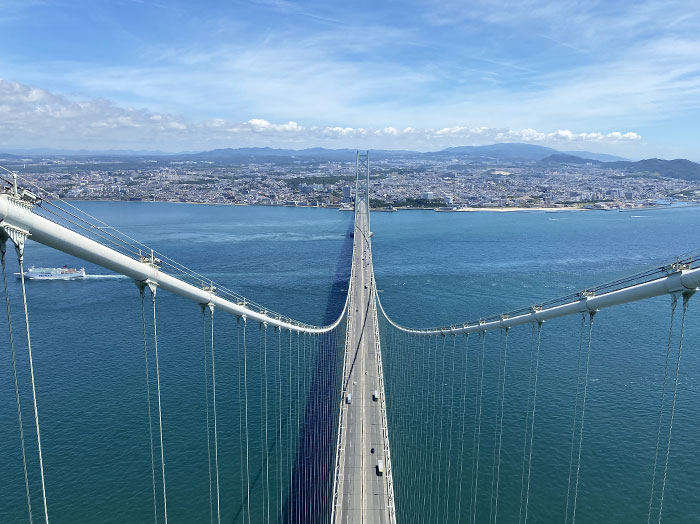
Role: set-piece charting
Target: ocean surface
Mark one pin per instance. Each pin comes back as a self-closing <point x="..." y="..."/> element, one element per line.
<point x="431" y="269"/>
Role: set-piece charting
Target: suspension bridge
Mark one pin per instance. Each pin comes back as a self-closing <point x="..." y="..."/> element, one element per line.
<point x="312" y="410"/>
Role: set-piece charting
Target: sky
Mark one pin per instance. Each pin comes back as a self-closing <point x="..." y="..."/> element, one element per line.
<point x="619" y="77"/>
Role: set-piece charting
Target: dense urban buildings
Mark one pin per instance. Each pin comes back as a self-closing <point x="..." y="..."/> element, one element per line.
<point x="398" y="182"/>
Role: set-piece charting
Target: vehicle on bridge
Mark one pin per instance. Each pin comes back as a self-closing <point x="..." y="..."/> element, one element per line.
<point x="348" y="398"/>
<point x="380" y="467"/>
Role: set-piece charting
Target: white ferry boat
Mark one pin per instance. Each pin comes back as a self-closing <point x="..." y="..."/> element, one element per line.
<point x="54" y="273"/>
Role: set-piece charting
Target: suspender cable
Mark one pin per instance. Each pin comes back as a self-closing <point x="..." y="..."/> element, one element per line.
<point x="451" y="415"/>
<point x="279" y="413"/>
<point x="160" y="410"/>
<point x="265" y="456"/>
<point x="500" y="430"/>
<point x="674" y="303"/>
<point x="573" y="424"/>
<point x="206" y="400"/>
<point x="240" y="418"/>
<point x="425" y="408"/>
<point x="20" y="257"/>
<point x="415" y="345"/>
<point x="290" y="456"/>
<point x="527" y="419"/>
<point x="247" y="446"/>
<point x="216" y="437"/>
<point x="431" y="484"/>
<point x="583" y="411"/>
<point x="299" y="404"/>
<point x="261" y="410"/>
<point x="478" y="428"/>
<point x="148" y="398"/>
<point x="305" y="405"/>
<point x="3" y="245"/>
<point x="442" y="410"/>
<point x="532" y="421"/>
<point x="464" y="417"/>
<point x="495" y="430"/>
<point x="686" y="297"/>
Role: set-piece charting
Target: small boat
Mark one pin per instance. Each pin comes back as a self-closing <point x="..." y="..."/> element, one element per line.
<point x="54" y="273"/>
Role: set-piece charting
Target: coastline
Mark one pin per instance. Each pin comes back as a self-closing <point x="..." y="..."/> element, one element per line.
<point x="519" y="209"/>
<point x="438" y="210"/>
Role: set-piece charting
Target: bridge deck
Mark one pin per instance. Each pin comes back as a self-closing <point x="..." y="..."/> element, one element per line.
<point x="362" y="494"/>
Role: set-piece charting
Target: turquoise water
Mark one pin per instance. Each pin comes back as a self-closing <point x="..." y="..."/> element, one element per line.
<point x="431" y="268"/>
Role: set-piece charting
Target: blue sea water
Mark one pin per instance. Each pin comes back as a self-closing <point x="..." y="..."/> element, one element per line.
<point x="431" y="268"/>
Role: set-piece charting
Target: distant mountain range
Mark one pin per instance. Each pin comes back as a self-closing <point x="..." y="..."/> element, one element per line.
<point x="509" y="152"/>
<point x="521" y="152"/>
<point x="678" y="168"/>
<point x="505" y="152"/>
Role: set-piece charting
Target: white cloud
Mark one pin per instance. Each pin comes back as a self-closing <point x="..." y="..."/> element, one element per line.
<point x="531" y="135"/>
<point x="552" y="63"/>
<point x="31" y="117"/>
<point x="258" y="124"/>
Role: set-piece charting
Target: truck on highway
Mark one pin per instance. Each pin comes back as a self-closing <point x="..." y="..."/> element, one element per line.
<point x="380" y="467"/>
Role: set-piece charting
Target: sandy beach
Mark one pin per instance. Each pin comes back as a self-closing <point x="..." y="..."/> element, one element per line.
<point x="513" y="209"/>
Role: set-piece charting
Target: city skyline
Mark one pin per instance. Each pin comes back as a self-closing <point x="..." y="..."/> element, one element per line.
<point x="420" y="76"/>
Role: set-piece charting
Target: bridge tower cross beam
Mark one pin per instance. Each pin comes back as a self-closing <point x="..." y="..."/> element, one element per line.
<point x="362" y="177"/>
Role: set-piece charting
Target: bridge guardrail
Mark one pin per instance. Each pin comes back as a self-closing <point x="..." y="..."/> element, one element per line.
<point x="338" y="477"/>
<point x="385" y="424"/>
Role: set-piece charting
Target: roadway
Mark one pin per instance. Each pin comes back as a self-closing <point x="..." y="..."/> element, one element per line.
<point x="363" y="495"/>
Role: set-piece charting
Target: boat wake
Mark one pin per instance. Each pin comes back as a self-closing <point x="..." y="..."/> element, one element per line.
<point x="104" y="276"/>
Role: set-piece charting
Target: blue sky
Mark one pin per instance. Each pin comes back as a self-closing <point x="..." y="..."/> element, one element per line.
<point x="616" y="77"/>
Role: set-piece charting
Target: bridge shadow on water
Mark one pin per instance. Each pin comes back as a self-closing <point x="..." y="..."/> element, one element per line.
<point x="310" y="495"/>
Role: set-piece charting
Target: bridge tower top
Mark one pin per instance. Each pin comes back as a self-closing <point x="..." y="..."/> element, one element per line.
<point x="362" y="177"/>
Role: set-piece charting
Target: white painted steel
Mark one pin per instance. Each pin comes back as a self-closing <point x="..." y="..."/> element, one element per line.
<point x="54" y="235"/>
<point x="687" y="280"/>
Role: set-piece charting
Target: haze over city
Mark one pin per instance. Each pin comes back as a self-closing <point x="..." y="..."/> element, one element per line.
<point x="595" y="76"/>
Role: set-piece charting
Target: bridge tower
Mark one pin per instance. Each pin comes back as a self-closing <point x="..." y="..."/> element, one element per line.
<point x="363" y="490"/>
<point x="362" y="178"/>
